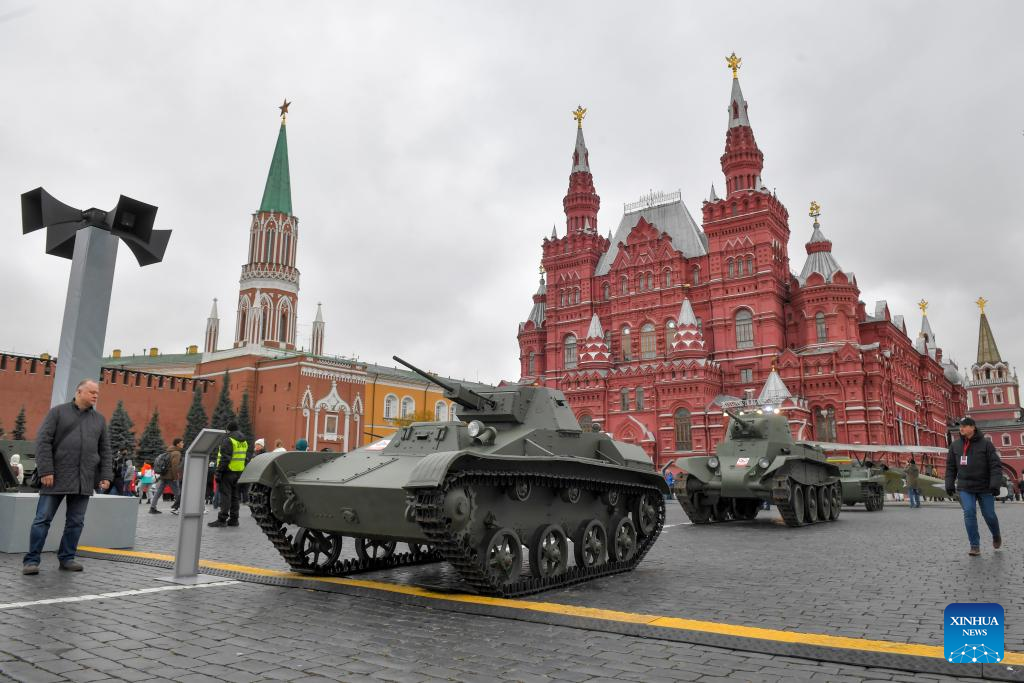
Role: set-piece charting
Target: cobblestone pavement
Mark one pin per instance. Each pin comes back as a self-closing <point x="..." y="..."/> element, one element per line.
<point x="885" y="576"/>
<point x="250" y="632"/>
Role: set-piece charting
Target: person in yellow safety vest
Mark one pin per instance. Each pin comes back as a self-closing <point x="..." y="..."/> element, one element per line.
<point x="231" y="456"/>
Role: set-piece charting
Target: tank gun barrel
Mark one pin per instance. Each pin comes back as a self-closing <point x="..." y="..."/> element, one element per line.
<point x="467" y="398"/>
<point x="742" y="421"/>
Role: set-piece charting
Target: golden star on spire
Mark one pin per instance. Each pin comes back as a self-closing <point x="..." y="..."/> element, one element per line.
<point x="579" y="114"/>
<point x="981" y="303"/>
<point x="815" y="211"/>
<point x="542" y="269"/>
<point x="284" y="109"/>
<point x="734" y="63"/>
<point x="923" y="305"/>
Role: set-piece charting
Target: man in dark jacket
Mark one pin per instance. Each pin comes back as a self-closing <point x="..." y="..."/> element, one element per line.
<point x="73" y="458"/>
<point x="230" y="459"/>
<point x="172" y="478"/>
<point x="973" y="470"/>
<point x="913" y="492"/>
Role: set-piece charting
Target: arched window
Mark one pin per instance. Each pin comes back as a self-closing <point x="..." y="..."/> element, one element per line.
<point x="1006" y="439"/>
<point x="624" y="398"/>
<point x="683" y="424"/>
<point x="732" y="268"/>
<point x="750" y="265"/>
<point x="647" y="341"/>
<point x="561" y="297"/>
<point x="650" y="280"/>
<point x="282" y="328"/>
<point x="408" y="407"/>
<point x="983" y="396"/>
<point x="819" y="324"/>
<point x="390" y="406"/>
<point x="627" y="344"/>
<point x="700" y="326"/>
<point x="606" y="291"/>
<point x="608" y="340"/>
<point x="670" y="334"/>
<point x="286" y="248"/>
<point x="640" y="282"/>
<point x="668" y="277"/>
<point x="825" y="424"/>
<point x="696" y="275"/>
<point x="268" y="251"/>
<point x="577" y="293"/>
<point x="997" y="395"/>
<point x="571" y="356"/>
<point x="265" y="320"/>
<point x="639" y="398"/>
<point x="440" y="411"/>
<point x="585" y="422"/>
<point x="624" y="283"/>
<point x="451" y="412"/>
<point x="531" y="366"/>
<point x="744" y="329"/>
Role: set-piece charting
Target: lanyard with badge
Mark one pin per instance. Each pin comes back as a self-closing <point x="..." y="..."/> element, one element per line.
<point x="963" y="458"/>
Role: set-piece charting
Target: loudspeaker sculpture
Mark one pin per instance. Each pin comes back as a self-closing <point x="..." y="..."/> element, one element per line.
<point x="89" y="238"/>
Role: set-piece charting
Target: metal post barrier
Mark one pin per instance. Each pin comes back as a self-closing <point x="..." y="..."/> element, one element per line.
<point x="193" y="499"/>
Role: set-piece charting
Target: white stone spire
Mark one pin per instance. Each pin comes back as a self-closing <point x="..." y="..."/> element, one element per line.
<point x="594" y="351"/>
<point x="316" y="346"/>
<point x="737" y="107"/>
<point x="212" y="330"/>
<point x="774" y="391"/>
<point x="595" y="331"/>
<point x="689" y="340"/>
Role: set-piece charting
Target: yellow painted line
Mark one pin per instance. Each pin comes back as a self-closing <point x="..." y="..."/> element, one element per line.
<point x="675" y="623"/>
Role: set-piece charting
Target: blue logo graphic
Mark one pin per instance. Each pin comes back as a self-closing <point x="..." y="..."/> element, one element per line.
<point x="973" y="632"/>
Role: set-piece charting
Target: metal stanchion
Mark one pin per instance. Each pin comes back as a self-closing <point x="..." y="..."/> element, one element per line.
<point x="193" y="498"/>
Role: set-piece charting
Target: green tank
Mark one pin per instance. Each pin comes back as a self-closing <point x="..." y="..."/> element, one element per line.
<point x="516" y="496"/>
<point x="759" y="461"/>
<point x="863" y="482"/>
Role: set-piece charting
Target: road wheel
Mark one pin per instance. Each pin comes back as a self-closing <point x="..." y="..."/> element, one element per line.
<point x="645" y="514"/>
<point x="837" y="501"/>
<point x="319" y="549"/>
<point x="549" y="552"/>
<point x="590" y="544"/>
<point x="796" y="499"/>
<point x="370" y="549"/>
<point x="624" y="540"/>
<point x="811" y="501"/>
<point x="824" y="502"/>
<point x="503" y="557"/>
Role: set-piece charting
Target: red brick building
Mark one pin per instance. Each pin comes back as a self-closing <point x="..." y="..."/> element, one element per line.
<point x="650" y="330"/>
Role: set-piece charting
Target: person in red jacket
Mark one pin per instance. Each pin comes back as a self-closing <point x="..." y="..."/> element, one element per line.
<point x="973" y="470"/>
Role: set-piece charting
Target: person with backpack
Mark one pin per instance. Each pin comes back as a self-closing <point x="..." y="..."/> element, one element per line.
<point x="167" y="467"/>
<point x="144" y="482"/>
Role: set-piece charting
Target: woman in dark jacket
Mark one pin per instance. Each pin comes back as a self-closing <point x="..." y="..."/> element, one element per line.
<point x="973" y="470"/>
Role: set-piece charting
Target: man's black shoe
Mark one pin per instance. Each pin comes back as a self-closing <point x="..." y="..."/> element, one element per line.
<point x="232" y="522"/>
<point x="217" y="523"/>
<point x="154" y="511"/>
<point x="71" y="566"/>
<point x="30" y="569"/>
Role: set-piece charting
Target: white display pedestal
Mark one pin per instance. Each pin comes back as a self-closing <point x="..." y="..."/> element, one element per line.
<point x="109" y="522"/>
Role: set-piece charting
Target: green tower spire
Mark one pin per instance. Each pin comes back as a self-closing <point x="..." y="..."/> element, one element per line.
<point x="277" y="196"/>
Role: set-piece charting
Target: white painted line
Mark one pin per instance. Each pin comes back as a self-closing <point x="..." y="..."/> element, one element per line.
<point x="669" y="526"/>
<point x="118" y="594"/>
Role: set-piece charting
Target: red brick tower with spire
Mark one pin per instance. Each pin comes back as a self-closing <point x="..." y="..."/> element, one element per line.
<point x="269" y="286"/>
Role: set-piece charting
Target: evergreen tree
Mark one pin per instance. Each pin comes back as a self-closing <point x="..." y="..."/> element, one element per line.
<point x="245" y="421"/>
<point x="196" y="421"/>
<point x="224" y="411"/>
<point x="19" y="426"/>
<point x="152" y="442"/>
<point x="120" y="428"/>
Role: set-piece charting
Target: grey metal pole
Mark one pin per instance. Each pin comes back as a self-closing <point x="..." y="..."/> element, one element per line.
<point x="193" y="497"/>
<point x="85" y="312"/>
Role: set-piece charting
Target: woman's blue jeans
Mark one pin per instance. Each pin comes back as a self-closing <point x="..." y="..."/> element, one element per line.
<point x="969" y="502"/>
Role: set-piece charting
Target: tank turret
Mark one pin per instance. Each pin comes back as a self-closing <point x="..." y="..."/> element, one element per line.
<point x="515" y="471"/>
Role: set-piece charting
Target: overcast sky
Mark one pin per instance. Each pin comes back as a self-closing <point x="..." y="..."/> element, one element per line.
<point x="430" y="148"/>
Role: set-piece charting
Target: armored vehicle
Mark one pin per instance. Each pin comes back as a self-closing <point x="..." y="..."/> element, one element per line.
<point x="516" y="471"/>
<point x="863" y="482"/>
<point x="759" y="461"/>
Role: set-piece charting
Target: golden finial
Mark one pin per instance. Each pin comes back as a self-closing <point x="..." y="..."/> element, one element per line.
<point x="981" y="303"/>
<point x="579" y="114"/>
<point x="815" y="211"/>
<point x="284" y="109"/>
<point x="734" y="63"/>
<point x="542" y="271"/>
<point x="923" y="305"/>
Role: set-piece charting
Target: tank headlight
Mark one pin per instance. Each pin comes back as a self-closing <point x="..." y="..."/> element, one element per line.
<point x="763" y="463"/>
<point x="474" y="428"/>
<point x="713" y="462"/>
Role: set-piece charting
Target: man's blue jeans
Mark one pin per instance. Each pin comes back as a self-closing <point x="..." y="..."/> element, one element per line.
<point x="969" y="501"/>
<point x="915" y="496"/>
<point x="75" y="520"/>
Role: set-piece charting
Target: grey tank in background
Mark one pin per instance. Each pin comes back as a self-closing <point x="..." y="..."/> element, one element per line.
<point x="759" y="461"/>
<point x="515" y="496"/>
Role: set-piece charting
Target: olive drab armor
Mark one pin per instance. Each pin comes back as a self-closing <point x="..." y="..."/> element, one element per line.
<point x="238" y="452"/>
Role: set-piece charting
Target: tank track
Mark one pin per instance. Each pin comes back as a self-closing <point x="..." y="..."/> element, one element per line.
<point x="874" y="496"/>
<point x="788" y="512"/>
<point x="259" y="504"/>
<point x="428" y="508"/>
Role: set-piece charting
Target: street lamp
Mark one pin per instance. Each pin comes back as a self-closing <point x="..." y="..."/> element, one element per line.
<point x="89" y="238"/>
